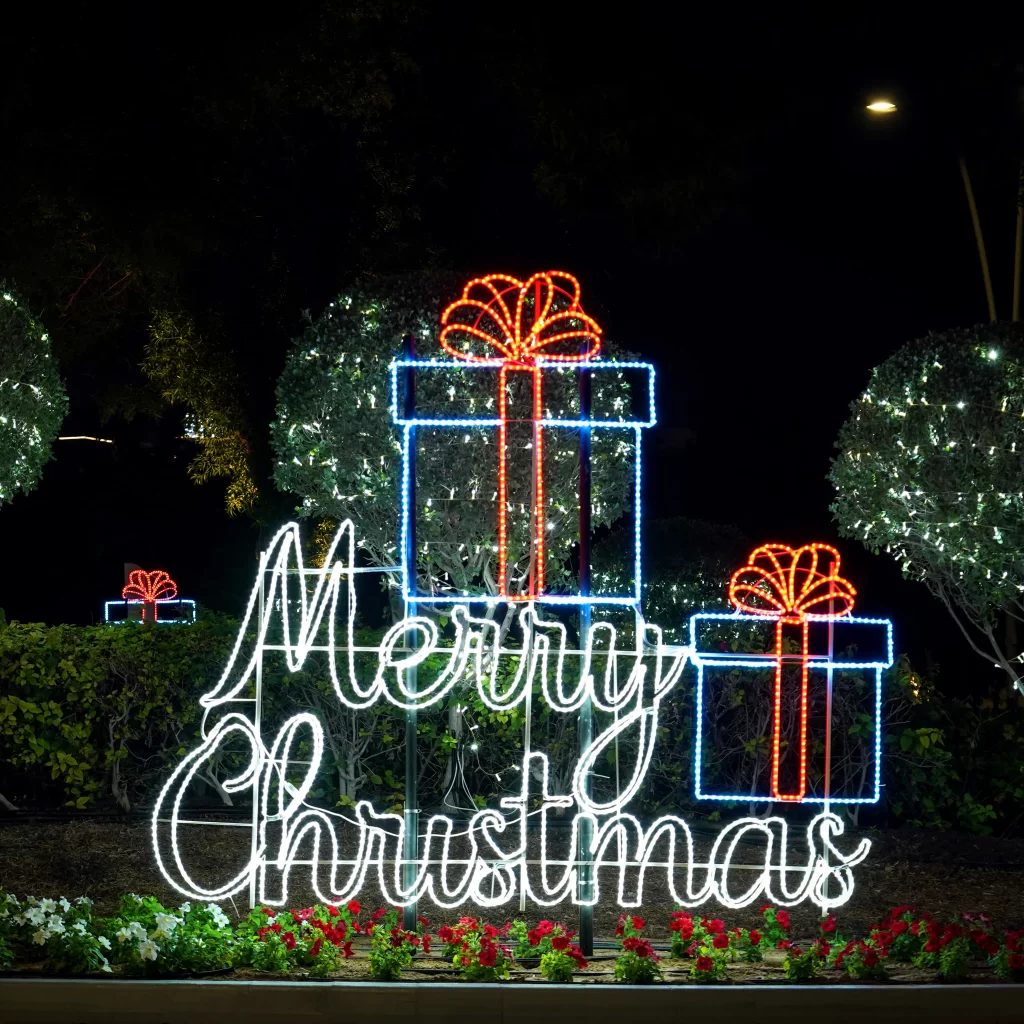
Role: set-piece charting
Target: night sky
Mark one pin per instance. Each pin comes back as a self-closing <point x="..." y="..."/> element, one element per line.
<point x="819" y="240"/>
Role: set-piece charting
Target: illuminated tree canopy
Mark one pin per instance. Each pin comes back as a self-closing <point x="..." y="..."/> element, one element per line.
<point x="33" y="402"/>
<point x="335" y="444"/>
<point x="930" y="471"/>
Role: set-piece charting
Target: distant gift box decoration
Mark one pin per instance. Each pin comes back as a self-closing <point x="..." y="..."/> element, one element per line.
<point x="157" y="593"/>
<point x="794" y="589"/>
<point x="521" y="327"/>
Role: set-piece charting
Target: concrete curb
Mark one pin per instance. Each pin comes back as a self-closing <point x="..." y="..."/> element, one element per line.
<point x="85" y="1001"/>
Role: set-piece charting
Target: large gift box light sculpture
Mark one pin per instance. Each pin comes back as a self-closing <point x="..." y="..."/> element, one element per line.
<point x="535" y="327"/>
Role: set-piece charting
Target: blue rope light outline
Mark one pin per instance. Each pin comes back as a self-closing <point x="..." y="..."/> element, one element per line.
<point x="700" y="659"/>
<point x="408" y="424"/>
<point x="169" y="622"/>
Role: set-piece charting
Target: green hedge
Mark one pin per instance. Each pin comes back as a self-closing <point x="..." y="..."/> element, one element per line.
<point x="99" y="711"/>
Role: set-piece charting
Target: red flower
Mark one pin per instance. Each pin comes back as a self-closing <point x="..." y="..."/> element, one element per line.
<point x="713" y="927"/>
<point x="899" y="927"/>
<point x="303" y="915"/>
<point x="829" y="924"/>
<point x="559" y="942"/>
<point x="705" y="963"/>
<point x="488" y="954"/>
<point x="767" y="906"/>
<point x="423" y="921"/>
<point x="796" y="951"/>
<point x="315" y="951"/>
<point x="544" y="928"/>
<point x="289" y="939"/>
<point x="377" y="914"/>
<point x="446" y="935"/>
<point x="534" y="937"/>
<point x="490" y="932"/>
<point x="638" y="923"/>
<point x="782" y="918"/>
<point x="347" y="949"/>
<point x="426" y="944"/>
<point x="276" y="928"/>
<point x="755" y="937"/>
<point x="354" y="907"/>
<point x="822" y="948"/>
<point x="870" y="958"/>
<point x="1016" y="961"/>
<point x="720" y="941"/>
<point x="269" y="912"/>
<point x="784" y="944"/>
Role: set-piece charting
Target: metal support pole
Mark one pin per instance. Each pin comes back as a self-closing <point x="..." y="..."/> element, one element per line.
<point x="411" y="852"/>
<point x="586" y="732"/>
<point x="257" y="722"/>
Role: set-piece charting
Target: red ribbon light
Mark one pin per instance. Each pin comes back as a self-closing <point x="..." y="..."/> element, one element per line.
<point x="149" y="587"/>
<point x="786" y="584"/>
<point x="494" y="310"/>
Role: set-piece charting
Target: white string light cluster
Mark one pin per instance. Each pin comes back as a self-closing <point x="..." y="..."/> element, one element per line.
<point x="492" y="866"/>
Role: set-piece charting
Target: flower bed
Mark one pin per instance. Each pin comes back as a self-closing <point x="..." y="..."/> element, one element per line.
<point x="147" y="940"/>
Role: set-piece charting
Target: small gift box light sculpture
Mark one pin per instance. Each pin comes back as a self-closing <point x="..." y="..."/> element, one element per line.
<point x="157" y="593"/>
<point x="792" y="588"/>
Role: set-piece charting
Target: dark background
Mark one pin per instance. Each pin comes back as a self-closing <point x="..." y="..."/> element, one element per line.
<point x="733" y="213"/>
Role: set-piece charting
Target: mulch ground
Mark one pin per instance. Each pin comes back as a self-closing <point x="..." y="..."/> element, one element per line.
<point x="944" y="873"/>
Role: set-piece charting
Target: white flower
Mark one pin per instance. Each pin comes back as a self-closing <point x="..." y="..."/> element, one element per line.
<point x="19" y="920"/>
<point x="35" y="916"/>
<point x="40" y="936"/>
<point x="56" y="926"/>
<point x="104" y="942"/>
<point x="166" y="923"/>
<point x="136" y="930"/>
<point x="122" y="935"/>
<point x="81" y="927"/>
<point x="64" y="905"/>
<point x="107" y="967"/>
<point x="84" y="901"/>
<point x="220" y="919"/>
<point x="48" y="906"/>
<point x="185" y="907"/>
<point x="4" y="914"/>
<point x="148" y="950"/>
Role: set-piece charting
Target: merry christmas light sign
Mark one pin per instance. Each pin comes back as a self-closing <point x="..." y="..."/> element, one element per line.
<point x="294" y="611"/>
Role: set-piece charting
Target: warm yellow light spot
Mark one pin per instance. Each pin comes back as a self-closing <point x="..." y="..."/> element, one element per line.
<point x="881" y="106"/>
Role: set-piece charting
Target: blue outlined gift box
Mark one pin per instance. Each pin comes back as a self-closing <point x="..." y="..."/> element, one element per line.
<point x="442" y="404"/>
<point x="777" y="640"/>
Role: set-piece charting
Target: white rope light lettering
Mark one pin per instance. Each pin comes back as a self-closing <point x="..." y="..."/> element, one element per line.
<point x="492" y="865"/>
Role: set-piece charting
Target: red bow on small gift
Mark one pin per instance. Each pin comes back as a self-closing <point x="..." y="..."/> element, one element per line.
<point x="788" y="585"/>
<point x="523" y="322"/>
<point x="149" y="587"/>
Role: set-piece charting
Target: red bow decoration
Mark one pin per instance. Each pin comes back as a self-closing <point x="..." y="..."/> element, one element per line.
<point x="149" y="587"/>
<point x="524" y="322"/>
<point x="788" y="585"/>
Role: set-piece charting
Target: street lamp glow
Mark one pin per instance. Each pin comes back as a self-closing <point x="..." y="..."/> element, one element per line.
<point x="881" y="106"/>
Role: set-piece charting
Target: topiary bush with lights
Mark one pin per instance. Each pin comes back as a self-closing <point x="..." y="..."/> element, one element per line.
<point x="33" y="402"/>
<point x="930" y="470"/>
